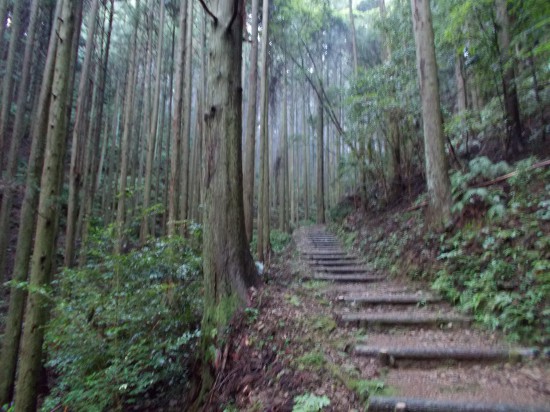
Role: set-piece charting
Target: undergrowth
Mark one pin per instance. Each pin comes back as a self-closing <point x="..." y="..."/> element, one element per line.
<point x="493" y="262"/>
<point x="125" y="327"/>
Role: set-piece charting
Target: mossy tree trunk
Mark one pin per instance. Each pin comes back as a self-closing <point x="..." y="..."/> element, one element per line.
<point x="36" y="313"/>
<point x="437" y="177"/>
<point x="228" y="266"/>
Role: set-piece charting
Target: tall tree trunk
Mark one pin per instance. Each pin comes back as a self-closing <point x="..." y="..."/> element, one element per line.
<point x="167" y="171"/>
<point x="283" y="175"/>
<point x="228" y="266"/>
<point x="3" y="17"/>
<point x="386" y="50"/>
<point x="175" y="160"/>
<point x="353" y="39"/>
<point x="307" y="160"/>
<point x="320" y="197"/>
<point x="42" y="259"/>
<point x="145" y="224"/>
<point x="75" y="171"/>
<point x="17" y="137"/>
<point x="263" y="203"/>
<point x="8" y="83"/>
<point x="12" y="333"/>
<point x="511" y="104"/>
<point x="250" y="140"/>
<point x="437" y="178"/>
<point x="125" y="142"/>
<point x="186" y="133"/>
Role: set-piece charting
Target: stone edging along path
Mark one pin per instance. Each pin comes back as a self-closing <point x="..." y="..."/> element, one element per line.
<point x="433" y="358"/>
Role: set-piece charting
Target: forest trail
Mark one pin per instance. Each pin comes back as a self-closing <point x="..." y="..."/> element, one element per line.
<point x="426" y="356"/>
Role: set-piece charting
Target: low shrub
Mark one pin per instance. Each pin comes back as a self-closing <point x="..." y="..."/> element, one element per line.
<point x="125" y="327"/>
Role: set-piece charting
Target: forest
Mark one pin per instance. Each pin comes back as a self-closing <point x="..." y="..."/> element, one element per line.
<point x="191" y="192"/>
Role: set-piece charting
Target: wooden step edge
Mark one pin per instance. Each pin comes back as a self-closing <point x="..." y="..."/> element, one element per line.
<point x="387" y="355"/>
<point x="346" y="277"/>
<point x="391" y="299"/>
<point x="331" y="258"/>
<point x="405" y="319"/>
<point x="402" y="404"/>
<point x="341" y="269"/>
<point x="323" y="253"/>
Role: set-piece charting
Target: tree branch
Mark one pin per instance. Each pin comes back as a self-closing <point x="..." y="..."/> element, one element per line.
<point x="207" y="10"/>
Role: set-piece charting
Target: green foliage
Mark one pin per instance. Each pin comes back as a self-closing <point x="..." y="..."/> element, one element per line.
<point x="341" y="210"/>
<point x="479" y="169"/>
<point x="124" y="325"/>
<point x="279" y="240"/>
<point x="251" y="315"/>
<point x="314" y="360"/>
<point x="309" y="402"/>
<point x="365" y="388"/>
<point x="500" y="271"/>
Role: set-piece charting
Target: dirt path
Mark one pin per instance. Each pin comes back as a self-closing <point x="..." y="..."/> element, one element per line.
<point x="410" y="351"/>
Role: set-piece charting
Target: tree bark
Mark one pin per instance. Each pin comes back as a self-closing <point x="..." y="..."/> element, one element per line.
<point x="145" y="224"/>
<point x="306" y="157"/>
<point x="437" y="178"/>
<point x="228" y="266"/>
<point x="8" y="82"/>
<point x="3" y="16"/>
<point x="320" y="197"/>
<point x="353" y="39"/>
<point x="17" y="137"/>
<point x="175" y="160"/>
<point x="75" y="171"/>
<point x="250" y="140"/>
<point x="125" y="142"/>
<point x="186" y="133"/>
<point x="263" y="203"/>
<point x="12" y="333"/>
<point x="42" y="259"/>
<point x="511" y="104"/>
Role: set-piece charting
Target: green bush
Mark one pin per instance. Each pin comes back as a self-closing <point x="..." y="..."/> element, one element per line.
<point x="124" y="327"/>
<point x="498" y="267"/>
<point x="279" y="240"/>
<point x="308" y="402"/>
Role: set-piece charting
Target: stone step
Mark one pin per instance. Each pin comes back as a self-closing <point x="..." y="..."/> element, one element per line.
<point x="399" y="404"/>
<point x="390" y="299"/>
<point x="402" y="319"/>
<point x="346" y="277"/>
<point x="387" y="355"/>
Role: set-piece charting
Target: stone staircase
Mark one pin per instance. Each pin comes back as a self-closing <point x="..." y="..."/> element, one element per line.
<point x="433" y="357"/>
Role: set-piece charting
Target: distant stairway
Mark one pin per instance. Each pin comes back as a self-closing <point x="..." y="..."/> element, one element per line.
<point x="434" y="359"/>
